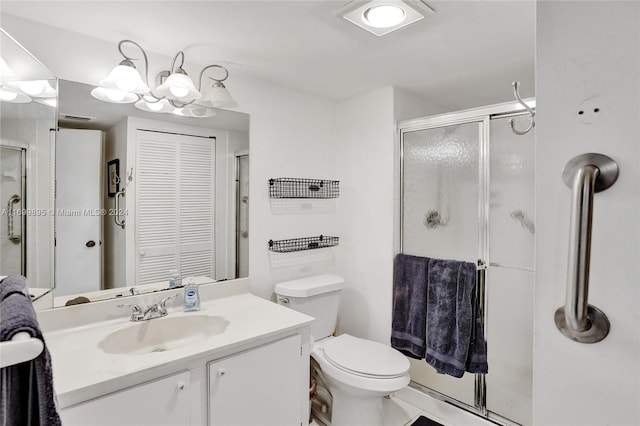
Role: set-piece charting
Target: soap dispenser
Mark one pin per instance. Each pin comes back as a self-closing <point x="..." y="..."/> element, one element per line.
<point x="174" y="280"/>
<point x="191" y="296"/>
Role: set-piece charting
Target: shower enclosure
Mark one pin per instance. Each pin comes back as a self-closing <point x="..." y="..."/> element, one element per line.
<point x="12" y="222"/>
<point x="467" y="193"/>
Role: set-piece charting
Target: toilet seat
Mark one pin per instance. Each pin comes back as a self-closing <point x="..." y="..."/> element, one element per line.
<point x="365" y="358"/>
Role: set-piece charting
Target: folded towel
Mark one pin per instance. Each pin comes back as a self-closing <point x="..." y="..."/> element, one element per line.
<point x="408" y="327"/>
<point x="27" y="396"/>
<point x="455" y="338"/>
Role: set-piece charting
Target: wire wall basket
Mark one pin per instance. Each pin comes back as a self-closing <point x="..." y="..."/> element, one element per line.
<point x="303" y="188"/>
<point x="299" y="244"/>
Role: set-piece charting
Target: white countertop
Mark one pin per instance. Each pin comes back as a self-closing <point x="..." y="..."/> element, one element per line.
<point x="82" y="370"/>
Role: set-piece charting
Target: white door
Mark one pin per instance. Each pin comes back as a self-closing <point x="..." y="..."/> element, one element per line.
<point x="78" y="249"/>
<point x="174" y="204"/>
<point x="257" y="387"/>
<point x="164" y="402"/>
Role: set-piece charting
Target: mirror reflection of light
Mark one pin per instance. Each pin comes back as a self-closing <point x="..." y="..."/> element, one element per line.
<point x="383" y="16"/>
<point x="7" y="96"/>
<point x="33" y="88"/>
<point x="52" y="102"/>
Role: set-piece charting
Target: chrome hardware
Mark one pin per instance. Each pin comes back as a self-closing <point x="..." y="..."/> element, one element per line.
<point x="180" y="385"/>
<point x="221" y="372"/>
<point x="117" y="219"/>
<point x="134" y="291"/>
<point x="136" y="311"/>
<point x="532" y="123"/>
<point x="157" y="310"/>
<point x="586" y="175"/>
<point x="15" y="198"/>
<point x="283" y="300"/>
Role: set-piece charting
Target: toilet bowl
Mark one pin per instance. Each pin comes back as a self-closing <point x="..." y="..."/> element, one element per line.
<point x="358" y="372"/>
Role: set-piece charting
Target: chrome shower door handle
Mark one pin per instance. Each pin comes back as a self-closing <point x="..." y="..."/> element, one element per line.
<point x="15" y="239"/>
<point x="586" y="175"/>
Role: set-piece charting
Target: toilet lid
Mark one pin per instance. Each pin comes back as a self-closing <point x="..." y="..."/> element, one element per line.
<point x="365" y="357"/>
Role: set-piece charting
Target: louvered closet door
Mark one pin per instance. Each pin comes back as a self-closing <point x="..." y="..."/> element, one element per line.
<point x="174" y="221"/>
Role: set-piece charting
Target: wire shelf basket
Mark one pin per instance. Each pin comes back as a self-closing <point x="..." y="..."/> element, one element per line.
<point x="299" y="244"/>
<point x="303" y="188"/>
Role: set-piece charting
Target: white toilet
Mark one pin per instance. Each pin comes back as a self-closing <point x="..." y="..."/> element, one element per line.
<point x="359" y="372"/>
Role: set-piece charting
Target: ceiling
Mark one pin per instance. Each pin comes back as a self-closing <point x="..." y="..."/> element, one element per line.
<point x="466" y="54"/>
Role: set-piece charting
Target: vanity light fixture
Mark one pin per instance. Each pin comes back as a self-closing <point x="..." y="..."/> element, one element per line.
<point x="175" y="92"/>
<point x="381" y="17"/>
<point x="16" y="91"/>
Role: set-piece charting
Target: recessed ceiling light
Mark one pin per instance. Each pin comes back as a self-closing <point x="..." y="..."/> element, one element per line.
<point x="381" y="17"/>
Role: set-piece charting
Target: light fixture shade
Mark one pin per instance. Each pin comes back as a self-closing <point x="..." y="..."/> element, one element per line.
<point x="218" y="97"/>
<point x="34" y="88"/>
<point x="126" y="79"/>
<point x="162" y="106"/>
<point x="114" y="95"/>
<point x="8" y="94"/>
<point x="178" y="87"/>
<point x="51" y="102"/>
<point x="197" y="111"/>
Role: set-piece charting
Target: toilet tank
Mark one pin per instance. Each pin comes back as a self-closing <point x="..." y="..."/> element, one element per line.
<point x="317" y="296"/>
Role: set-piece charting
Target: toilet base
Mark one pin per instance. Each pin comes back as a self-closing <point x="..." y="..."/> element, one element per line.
<point x="348" y="410"/>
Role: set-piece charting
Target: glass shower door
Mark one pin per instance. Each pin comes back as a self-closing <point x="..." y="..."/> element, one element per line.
<point x="12" y="222"/>
<point x="442" y="216"/>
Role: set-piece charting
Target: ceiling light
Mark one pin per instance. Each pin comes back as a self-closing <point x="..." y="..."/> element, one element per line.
<point x="381" y="17"/>
<point x="9" y="94"/>
<point x="176" y="92"/>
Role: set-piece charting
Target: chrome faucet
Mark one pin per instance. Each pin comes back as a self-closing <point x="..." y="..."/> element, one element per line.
<point x="157" y="310"/>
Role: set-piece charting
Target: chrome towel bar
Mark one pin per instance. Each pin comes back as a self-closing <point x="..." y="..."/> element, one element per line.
<point x="586" y="175"/>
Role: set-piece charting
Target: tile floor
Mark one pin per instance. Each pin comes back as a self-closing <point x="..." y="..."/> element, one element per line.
<point x="408" y="404"/>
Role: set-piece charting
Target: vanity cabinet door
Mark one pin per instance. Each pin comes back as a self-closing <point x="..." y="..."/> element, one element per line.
<point x="163" y="402"/>
<point x="261" y="386"/>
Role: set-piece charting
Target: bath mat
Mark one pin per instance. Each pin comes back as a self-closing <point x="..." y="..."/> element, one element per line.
<point x="424" y="421"/>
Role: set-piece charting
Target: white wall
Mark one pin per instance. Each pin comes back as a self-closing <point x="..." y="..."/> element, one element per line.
<point x="588" y="56"/>
<point x="366" y="129"/>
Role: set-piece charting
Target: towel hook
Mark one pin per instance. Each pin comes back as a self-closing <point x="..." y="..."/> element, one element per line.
<point x="516" y="85"/>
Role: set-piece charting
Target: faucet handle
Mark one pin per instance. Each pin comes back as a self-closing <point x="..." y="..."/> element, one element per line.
<point x="162" y="304"/>
<point x="136" y="311"/>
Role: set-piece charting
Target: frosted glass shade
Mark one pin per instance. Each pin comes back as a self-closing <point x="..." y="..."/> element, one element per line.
<point x="126" y="79"/>
<point x="218" y="97"/>
<point x="193" y="110"/>
<point x="162" y="106"/>
<point x="178" y="87"/>
<point x="35" y="88"/>
<point x="7" y="94"/>
<point x="114" y="95"/>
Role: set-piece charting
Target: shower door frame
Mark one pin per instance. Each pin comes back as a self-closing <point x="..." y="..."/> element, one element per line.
<point x="22" y="149"/>
<point x="483" y="116"/>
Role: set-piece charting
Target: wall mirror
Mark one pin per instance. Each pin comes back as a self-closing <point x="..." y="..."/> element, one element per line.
<point x="142" y="197"/>
<point x="28" y="92"/>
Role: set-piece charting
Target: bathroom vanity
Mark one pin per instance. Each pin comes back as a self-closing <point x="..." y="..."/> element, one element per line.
<point x="239" y="360"/>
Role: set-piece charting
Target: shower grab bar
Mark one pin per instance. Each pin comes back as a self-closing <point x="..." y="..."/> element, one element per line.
<point x="586" y="175"/>
<point x="15" y="198"/>
<point x="116" y="218"/>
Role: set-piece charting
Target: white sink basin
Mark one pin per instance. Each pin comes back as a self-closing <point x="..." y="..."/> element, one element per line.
<point x="162" y="334"/>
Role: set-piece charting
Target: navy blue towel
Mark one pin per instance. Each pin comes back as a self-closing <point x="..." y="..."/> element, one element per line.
<point x="455" y="336"/>
<point x="27" y="397"/>
<point x="408" y="328"/>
